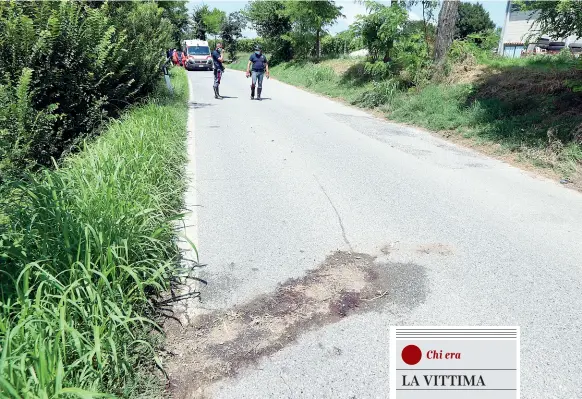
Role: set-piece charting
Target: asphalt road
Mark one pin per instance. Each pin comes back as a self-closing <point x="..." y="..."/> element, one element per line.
<point x="284" y="182"/>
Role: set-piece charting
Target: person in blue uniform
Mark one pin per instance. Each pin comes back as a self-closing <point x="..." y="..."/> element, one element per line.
<point x="260" y="68"/>
<point x="217" y="59"/>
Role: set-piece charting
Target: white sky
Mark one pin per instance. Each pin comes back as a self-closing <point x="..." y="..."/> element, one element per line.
<point x="496" y="9"/>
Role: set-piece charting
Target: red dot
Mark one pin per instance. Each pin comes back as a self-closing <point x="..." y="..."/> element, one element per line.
<point x="411" y="355"/>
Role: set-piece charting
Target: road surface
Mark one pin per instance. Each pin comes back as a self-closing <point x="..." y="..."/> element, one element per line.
<point x="284" y="183"/>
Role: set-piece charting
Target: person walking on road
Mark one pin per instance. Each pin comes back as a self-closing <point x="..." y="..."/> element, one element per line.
<point x="217" y="58"/>
<point x="260" y="68"/>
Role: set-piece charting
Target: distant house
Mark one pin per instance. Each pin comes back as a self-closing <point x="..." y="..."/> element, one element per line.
<point x="520" y="28"/>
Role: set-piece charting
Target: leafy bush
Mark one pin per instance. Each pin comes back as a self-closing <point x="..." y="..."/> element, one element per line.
<point x="376" y="70"/>
<point x="71" y="65"/>
<point x="412" y="60"/>
<point x="343" y="43"/>
<point x="83" y="249"/>
<point x="27" y="135"/>
<point x="248" y="45"/>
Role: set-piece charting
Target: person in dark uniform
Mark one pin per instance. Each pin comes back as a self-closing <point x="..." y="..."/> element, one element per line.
<point x="260" y="68"/>
<point x="217" y="58"/>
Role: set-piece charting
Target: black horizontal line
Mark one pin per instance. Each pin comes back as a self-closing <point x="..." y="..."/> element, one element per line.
<point x="415" y="369"/>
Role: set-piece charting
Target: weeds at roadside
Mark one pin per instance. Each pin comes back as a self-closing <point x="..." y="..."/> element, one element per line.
<point x="83" y="249"/>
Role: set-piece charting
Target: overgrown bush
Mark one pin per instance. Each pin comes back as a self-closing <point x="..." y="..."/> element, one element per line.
<point x="82" y="250"/>
<point x="377" y="70"/>
<point x="412" y="62"/>
<point x="343" y="43"/>
<point x="381" y="93"/>
<point x="248" y="45"/>
<point x="68" y="66"/>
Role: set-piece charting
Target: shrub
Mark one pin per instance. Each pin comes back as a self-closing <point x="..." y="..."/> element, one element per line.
<point x="84" y="248"/>
<point x="381" y="93"/>
<point x="71" y="66"/>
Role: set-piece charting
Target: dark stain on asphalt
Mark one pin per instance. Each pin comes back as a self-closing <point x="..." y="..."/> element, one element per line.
<point x="220" y="344"/>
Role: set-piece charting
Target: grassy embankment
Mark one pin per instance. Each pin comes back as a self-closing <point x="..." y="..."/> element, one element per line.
<point x="83" y="249"/>
<point x="521" y="110"/>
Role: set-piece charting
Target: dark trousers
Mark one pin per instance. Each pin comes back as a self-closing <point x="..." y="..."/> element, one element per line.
<point x="217" y="76"/>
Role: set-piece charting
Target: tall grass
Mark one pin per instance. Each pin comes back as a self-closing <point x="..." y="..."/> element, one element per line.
<point x="82" y="250"/>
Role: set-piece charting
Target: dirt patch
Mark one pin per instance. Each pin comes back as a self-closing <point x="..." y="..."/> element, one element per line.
<point x="469" y="73"/>
<point x="219" y="344"/>
<point x="340" y="66"/>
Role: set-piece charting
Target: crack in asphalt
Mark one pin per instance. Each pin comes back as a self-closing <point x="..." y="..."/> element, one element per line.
<point x="341" y="223"/>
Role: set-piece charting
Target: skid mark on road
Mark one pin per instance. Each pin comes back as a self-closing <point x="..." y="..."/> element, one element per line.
<point x="219" y="344"/>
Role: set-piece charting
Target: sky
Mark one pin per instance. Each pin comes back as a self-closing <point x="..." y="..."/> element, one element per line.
<point x="496" y="9"/>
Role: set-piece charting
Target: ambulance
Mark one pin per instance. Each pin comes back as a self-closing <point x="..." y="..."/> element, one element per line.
<point x="198" y="55"/>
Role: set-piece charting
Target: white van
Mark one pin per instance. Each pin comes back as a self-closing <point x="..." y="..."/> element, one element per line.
<point x="198" y="55"/>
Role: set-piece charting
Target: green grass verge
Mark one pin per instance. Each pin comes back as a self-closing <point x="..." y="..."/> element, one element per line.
<point x="525" y="106"/>
<point x="83" y="249"/>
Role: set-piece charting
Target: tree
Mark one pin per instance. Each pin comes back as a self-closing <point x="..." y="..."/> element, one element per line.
<point x="271" y="22"/>
<point x="313" y="17"/>
<point x="199" y="26"/>
<point x="214" y="20"/>
<point x="445" y="31"/>
<point x="177" y="13"/>
<point x="380" y="27"/>
<point x="231" y="31"/>
<point x="472" y="18"/>
<point x="561" y="18"/>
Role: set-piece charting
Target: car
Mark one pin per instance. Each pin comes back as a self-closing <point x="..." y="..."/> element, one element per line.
<point x="198" y="55"/>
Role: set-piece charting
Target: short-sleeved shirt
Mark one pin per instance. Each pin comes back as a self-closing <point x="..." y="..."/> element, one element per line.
<point x="215" y="57"/>
<point x="259" y="62"/>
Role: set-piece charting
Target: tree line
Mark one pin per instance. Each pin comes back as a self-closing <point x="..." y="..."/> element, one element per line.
<point x="299" y="29"/>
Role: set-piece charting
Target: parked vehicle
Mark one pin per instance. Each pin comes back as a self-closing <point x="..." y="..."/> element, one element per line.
<point x="198" y="55"/>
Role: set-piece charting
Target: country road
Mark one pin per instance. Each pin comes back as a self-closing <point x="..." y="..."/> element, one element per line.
<point x="298" y="186"/>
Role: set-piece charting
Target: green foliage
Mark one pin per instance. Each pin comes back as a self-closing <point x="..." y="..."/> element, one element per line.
<point x="231" y="31"/>
<point x="310" y="18"/>
<point x="342" y="43"/>
<point x="248" y="45"/>
<point x="26" y="135"/>
<point x="560" y="18"/>
<point x="83" y="68"/>
<point x="84" y="249"/>
<point x="380" y="93"/>
<point x="472" y="19"/>
<point x="176" y="12"/>
<point x="199" y="27"/>
<point x="412" y="62"/>
<point x="268" y="18"/>
<point x="380" y="28"/>
<point x="292" y="27"/>
<point x="213" y="20"/>
<point x="272" y="24"/>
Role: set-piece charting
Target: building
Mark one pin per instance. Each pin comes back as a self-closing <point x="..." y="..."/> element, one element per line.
<point x="520" y="28"/>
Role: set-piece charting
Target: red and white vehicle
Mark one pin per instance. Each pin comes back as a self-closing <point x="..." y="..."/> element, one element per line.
<point x="197" y="55"/>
